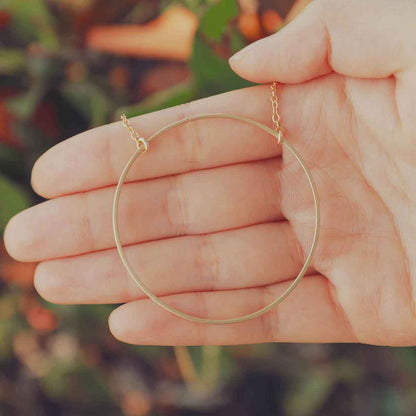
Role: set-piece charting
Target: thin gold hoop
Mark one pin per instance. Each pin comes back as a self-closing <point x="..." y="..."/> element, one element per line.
<point x="141" y="147"/>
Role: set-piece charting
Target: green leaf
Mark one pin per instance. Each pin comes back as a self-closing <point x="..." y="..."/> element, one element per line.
<point x="215" y="20"/>
<point x="212" y="73"/>
<point x="9" y="325"/>
<point x="310" y="393"/>
<point x="13" y="200"/>
<point x="24" y="105"/>
<point x="11" y="161"/>
<point x="11" y="61"/>
<point x="32" y="19"/>
<point x="169" y="97"/>
<point x="193" y="5"/>
<point x="77" y="383"/>
<point x="41" y="71"/>
<point x="90" y="100"/>
<point x="43" y="67"/>
<point x="237" y="41"/>
<point x="10" y="322"/>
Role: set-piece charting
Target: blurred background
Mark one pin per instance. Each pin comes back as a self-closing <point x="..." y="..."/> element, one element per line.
<point x="67" y="66"/>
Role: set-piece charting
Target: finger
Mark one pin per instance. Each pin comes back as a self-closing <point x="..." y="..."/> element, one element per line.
<point x="309" y="314"/>
<point x="370" y="39"/>
<point x="247" y="257"/>
<point x="193" y="203"/>
<point x="95" y="158"/>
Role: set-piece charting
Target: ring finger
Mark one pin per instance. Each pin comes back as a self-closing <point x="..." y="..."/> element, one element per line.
<point x="253" y="256"/>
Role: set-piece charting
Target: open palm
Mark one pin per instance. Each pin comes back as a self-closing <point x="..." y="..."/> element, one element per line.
<point x="217" y="220"/>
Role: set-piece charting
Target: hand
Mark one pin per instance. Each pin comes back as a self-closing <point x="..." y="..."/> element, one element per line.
<point x="217" y="220"/>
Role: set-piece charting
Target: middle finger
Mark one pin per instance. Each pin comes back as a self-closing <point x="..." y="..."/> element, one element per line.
<point x="193" y="203"/>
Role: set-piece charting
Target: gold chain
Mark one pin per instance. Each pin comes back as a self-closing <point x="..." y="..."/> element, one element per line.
<point x="141" y="142"/>
<point x="276" y="116"/>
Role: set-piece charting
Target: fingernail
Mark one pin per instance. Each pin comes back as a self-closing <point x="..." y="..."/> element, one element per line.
<point x="240" y="54"/>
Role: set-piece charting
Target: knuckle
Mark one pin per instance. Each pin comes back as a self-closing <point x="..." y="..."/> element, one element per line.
<point x="189" y="136"/>
<point x="208" y="263"/>
<point x="86" y="226"/>
<point x="175" y="206"/>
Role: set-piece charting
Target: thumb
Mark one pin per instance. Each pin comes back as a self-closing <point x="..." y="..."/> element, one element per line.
<point x="368" y="39"/>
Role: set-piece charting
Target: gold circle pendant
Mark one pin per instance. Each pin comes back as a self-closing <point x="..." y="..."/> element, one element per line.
<point x="143" y="146"/>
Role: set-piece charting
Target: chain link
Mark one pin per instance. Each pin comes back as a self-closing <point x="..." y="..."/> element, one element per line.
<point x="276" y="116"/>
<point x="140" y="141"/>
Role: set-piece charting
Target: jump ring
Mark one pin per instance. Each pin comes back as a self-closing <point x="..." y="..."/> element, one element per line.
<point x="143" y="142"/>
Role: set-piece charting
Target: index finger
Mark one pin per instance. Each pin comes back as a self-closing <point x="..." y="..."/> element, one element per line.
<point x="95" y="158"/>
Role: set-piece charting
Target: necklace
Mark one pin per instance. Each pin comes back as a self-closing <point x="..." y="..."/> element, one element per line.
<point x="142" y="146"/>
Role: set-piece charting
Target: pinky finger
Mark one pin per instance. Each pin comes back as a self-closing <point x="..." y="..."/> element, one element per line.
<point x="309" y="314"/>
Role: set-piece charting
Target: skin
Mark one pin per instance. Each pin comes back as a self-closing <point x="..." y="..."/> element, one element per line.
<point x="217" y="220"/>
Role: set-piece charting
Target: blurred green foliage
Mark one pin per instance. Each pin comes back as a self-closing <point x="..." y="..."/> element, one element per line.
<point x="14" y="200"/>
<point x="61" y="360"/>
